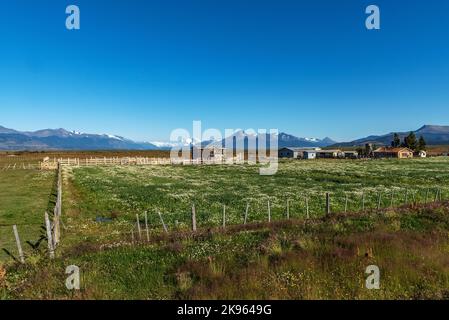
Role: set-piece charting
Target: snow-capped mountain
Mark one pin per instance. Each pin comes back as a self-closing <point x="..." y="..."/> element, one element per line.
<point x="241" y="138"/>
<point x="61" y="139"/>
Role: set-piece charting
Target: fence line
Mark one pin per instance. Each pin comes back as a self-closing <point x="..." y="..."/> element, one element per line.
<point x="130" y="161"/>
<point x="58" y="209"/>
<point x="52" y="226"/>
<point x="123" y="161"/>
<point x="329" y="206"/>
<point x="20" y="166"/>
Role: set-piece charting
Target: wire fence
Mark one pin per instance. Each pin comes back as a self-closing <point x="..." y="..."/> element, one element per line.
<point x="22" y="240"/>
<point x="203" y="215"/>
<point x="269" y="210"/>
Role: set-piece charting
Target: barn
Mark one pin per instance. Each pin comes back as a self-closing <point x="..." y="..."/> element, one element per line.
<point x="390" y="152"/>
<point x="298" y="153"/>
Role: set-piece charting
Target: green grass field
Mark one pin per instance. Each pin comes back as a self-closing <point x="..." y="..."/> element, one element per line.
<point x="316" y="258"/>
<point x="123" y="192"/>
<point x="24" y="197"/>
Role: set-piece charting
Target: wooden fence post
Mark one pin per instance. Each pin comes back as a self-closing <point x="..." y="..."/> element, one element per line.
<point x="406" y="196"/>
<point x="138" y="227"/>
<point x="288" y="209"/>
<point x="56" y="230"/>
<point x="146" y="227"/>
<point x="328" y="203"/>
<point x="163" y="224"/>
<point x="19" y="245"/>
<point x="49" y="236"/>
<point x="193" y="218"/>
<point x="224" y="216"/>
<point x="246" y="213"/>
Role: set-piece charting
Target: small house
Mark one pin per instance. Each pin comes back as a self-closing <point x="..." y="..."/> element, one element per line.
<point x="286" y="153"/>
<point x="390" y="152"/>
<point x="309" y="154"/>
<point x="298" y="153"/>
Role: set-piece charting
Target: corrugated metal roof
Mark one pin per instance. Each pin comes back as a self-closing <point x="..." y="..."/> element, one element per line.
<point x="392" y="150"/>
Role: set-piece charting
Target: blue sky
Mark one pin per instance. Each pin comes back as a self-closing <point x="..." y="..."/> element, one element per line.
<point x="143" y="68"/>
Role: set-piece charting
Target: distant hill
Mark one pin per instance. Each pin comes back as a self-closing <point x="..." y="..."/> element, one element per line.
<point x="241" y="138"/>
<point x="433" y="134"/>
<point x="61" y="139"/>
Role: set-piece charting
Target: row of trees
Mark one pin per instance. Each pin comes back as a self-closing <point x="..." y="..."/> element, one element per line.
<point x="410" y="142"/>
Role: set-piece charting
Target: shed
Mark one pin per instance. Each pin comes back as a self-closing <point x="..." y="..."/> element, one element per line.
<point x="298" y="153"/>
<point x="389" y="152"/>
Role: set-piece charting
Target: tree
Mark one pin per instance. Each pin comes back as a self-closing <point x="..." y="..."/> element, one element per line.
<point x="421" y="144"/>
<point x="410" y="141"/>
<point x="396" y="141"/>
<point x="368" y="149"/>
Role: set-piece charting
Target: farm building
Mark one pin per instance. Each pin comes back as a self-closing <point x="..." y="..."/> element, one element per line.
<point x="309" y="154"/>
<point x="351" y="154"/>
<point x="210" y="153"/>
<point x="389" y="152"/>
<point x="421" y="154"/>
<point x="330" y="154"/>
<point x="298" y="153"/>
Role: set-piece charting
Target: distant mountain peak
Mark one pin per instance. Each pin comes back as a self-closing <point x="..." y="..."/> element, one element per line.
<point x="433" y="129"/>
<point x="62" y="139"/>
<point x="432" y="134"/>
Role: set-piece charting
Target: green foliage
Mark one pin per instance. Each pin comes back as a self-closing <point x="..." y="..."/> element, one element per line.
<point x="411" y="142"/>
<point x="396" y="141"/>
<point x="421" y="144"/>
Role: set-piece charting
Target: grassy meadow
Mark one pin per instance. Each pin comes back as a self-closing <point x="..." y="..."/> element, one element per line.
<point x="315" y="257"/>
<point x="122" y="192"/>
<point x="24" y="197"/>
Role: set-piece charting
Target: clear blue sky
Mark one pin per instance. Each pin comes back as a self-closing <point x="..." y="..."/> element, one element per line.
<point x="143" y="68"/>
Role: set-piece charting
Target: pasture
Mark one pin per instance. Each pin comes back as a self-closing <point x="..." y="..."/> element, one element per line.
<point x="378" y="216"/>
<point x="24" y="197"/>
<point x="121" y="192"/>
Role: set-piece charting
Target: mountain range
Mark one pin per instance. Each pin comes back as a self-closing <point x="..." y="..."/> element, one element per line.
<point x="61" y="139"/>
<point x="432" y="134"/>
